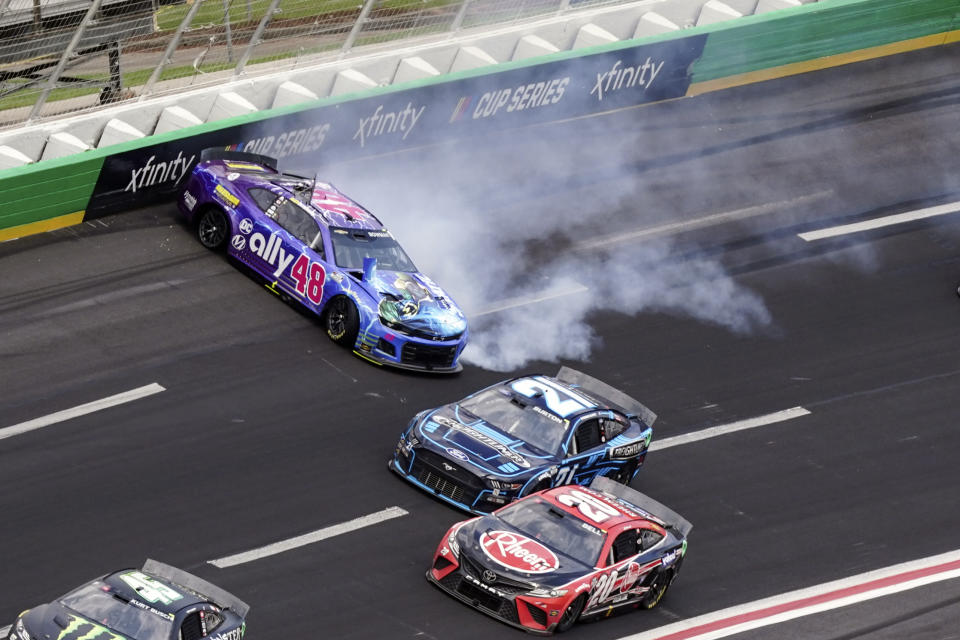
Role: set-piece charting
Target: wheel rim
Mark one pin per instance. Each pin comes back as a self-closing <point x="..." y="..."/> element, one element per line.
<point x="570" y="615"/>
<point x="212" y="229"/>
<point x="336" y="319"/>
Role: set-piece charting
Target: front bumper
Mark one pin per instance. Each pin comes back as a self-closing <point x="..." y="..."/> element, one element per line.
<point x="382" y="346"/>
<point x="517" y="611"/>
<point x="471" y="496"/>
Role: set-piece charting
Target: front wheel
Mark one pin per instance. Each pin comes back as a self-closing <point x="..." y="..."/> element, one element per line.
<point x="343" y="321"/>
<point x="657" y="588"/>
<point x="213" y="228"/>
<point x="572" y="613"/>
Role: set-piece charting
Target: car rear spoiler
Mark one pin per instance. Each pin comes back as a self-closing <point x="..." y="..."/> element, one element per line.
<point x="220" y="596"/>
<point x="605" y="392"/>
<point x="642" y="502"/>
<point x="217" y="153"/>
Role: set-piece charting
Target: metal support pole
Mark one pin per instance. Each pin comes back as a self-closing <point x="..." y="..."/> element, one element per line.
<point x="171" y="47"/>
<point x="226" y="23"/>
<point x="357" y="26"/>
<point x="461" y="14"/>
<point x="37" y="16"/>
<point x="74" y="41"/>
<point x="255" y="40"/>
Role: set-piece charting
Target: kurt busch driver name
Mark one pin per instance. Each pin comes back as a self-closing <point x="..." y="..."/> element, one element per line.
<point x="620" y="77"/>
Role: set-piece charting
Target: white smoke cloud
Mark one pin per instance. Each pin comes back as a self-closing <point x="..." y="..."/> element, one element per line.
<point x="508" y="252"/>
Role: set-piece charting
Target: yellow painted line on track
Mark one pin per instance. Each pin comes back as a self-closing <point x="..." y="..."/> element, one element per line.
<point x="827" y="62"/>
<point x="40" y="226"/>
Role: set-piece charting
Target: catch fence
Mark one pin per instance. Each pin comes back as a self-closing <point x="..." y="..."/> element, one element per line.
<point x="64" y="56"/>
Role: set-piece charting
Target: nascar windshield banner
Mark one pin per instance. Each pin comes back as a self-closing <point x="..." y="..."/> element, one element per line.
<point x="305" y="140"/>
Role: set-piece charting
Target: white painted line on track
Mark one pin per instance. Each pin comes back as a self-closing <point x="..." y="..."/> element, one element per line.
<point x="804" y="602"/>
<point x="877" y="223"/>
<point x="699" y="223"/>
<point x="82" y="410"/>
<point x="513" y="303"/>
<point x="723" y="429"/>
<point x="309" y="538"/>
<point x="4" y="631"/>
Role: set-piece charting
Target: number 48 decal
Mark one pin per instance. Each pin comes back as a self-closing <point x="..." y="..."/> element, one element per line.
<point x="309" y="277"/>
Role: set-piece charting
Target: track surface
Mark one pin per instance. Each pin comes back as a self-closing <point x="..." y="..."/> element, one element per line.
<point x="267" y="431"/>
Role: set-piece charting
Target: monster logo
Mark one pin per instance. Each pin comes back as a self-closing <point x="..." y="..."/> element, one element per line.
<point x="80" y="629"/>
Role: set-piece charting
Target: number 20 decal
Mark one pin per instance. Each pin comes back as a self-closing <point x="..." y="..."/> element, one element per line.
<point x="309" y="277"/>
<point x="596" y="510"/>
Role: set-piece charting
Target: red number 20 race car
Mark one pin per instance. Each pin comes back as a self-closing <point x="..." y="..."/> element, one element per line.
<point x="563" y="554"/>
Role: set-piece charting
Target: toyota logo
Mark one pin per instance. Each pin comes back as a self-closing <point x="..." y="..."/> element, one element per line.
<point x="489" y="576"/>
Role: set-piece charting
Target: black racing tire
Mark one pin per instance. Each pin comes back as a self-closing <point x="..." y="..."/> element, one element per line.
<point x="213" y="228"/>
<point x="571" y="614"/>
<point x="658" y="587"/>
<point x="624" y="474"/>
<point x="342" y="321"/>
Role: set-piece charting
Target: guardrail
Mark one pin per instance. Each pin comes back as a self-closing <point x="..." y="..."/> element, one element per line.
<point x="470" y="103"/>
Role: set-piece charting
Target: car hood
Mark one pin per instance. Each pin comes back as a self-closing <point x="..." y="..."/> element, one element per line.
<point x="414" y="302"/>
<point x="476" y="443"/>
<point x="56" y="621"/>
<point x="492" y="544"/>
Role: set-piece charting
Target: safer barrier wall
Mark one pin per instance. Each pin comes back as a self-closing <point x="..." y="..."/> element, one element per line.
<point x="562" y="85"/>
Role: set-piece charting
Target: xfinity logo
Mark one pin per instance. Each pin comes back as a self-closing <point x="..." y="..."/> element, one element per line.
<point x="619" y="77"/>
<point x="152" y="174"/>
<point x="380" y="123"/>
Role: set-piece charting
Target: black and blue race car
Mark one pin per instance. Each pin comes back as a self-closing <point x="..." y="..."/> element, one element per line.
<point x="156" y="602"/>
<point x="523" y="435"/>
<point x="311" y="244"/>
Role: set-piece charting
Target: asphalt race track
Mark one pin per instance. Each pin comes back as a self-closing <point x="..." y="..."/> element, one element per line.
<point x="266" y="430"/>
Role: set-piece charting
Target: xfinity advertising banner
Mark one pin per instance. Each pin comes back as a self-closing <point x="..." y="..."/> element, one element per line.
<point x="393" y="121"/>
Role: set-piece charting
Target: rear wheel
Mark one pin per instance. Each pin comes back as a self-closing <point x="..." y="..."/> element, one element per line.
<point x="342" y="321"/>
<point x="661" y="581"/>
<point x="213" y="228"/>
<point x="571" y="613"/>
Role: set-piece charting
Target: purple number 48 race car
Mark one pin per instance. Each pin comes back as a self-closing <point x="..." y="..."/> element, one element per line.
<point x="311" y="244"/>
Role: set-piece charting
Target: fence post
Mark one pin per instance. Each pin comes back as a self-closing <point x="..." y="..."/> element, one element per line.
<point x="226" y="23"/>
<point x="255" y="39"/>
<point x="171" y="47"/>
<point x="461" y="14"/>
<point x="61" y="65"/>
<point x="358" y="25"/>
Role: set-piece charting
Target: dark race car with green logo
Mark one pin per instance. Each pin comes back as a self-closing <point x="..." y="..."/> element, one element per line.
<point x="157" y="602"/>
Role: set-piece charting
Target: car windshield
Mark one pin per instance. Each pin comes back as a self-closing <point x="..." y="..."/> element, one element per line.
<point x="557" y="530"/>
<point x="527" y="422"/>
<point x="351" y="246"/>
<point x="115" y="613"/>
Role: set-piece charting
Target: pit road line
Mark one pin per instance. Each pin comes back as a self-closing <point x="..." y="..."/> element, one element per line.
<point x="878" y="223"/>
<point x="82" y="410"/>
<point x="699" y="223"/>
<point x="723" y="429"/>
<point x="513" y="303"/>
<point x="309" y="538"/>
<point x="811" y="600"/>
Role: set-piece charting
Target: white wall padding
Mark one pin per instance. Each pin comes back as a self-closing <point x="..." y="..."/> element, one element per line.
<point x="652" y="23"/>
<point x="414" y="68"/>
<point x="290" y="93"/>
<point x="716" y="11"/>
<point x="175" y="117"/>
<point x="532" y="46"/>
<point x="350" y="80"/>
<point x="471" y="58"/>
<point x="230" y="104"/>
<point x="590" y="35"/>
<point x="10" y="157"/>
<point x="743" y="7"/>
<point x="775" y="5"/>
<point x="116" y="131"/>
<point x="62" y="144"/>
